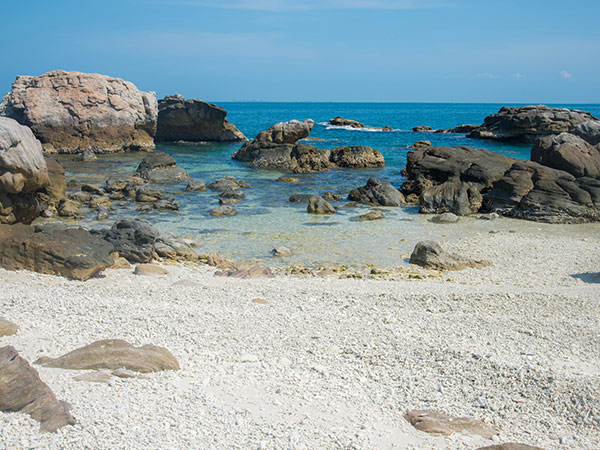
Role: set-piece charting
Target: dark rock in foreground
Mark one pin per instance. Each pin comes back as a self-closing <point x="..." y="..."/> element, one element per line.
<point x="526" y="123"/>
<point x="22" y="390"/>
<point x="377" y="193"/>
<point x="568" y="152"/>
<point x="193" y="121"/>
<point x="116" y="354"/>
<point x="70" y="112"/>
<point x="133" y="239"/>
<point x="159" y="167"/>
<point x="429" y="254"/>
<point x="72" y="253"/>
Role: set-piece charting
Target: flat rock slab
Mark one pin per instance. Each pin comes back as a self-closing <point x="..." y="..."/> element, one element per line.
<point x="429" y="254"/>
<point x="510" y="446"/>
<point x="149" y="270"/>
<point x="435" y="422"/>
<point x="7" y="328"/>
<point x="22" y="390"/>
<point x="116" y="354"/>
<point x="71" y="253"/>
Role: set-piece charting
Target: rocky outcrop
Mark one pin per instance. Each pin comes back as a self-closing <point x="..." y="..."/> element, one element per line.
<point x="277" y="148"/>
<point x="526" y="123"/>
<point x="360" y="157"/>
<point x="461" y="129"/>
<point x="341" y="122"/>
<point x="568" y="152"/>
<point x="22" y="390"/>
<point x="376" y="192"/>
<point x="464" y="180"/>
<point x="70" y="112"/>
<point x="116" y="354"/>
<point x="429" y="254"/>
<point x="159" y="167"/>
<point x="72" y="253"/>
<point x="193" y="121"/>
<point x="23" y="171"/>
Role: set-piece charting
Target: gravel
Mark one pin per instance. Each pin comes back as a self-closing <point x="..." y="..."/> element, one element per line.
<point x="327" y="363"/>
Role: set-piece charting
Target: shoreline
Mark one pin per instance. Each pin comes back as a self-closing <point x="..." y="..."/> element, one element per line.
<point x="328" y="362"/>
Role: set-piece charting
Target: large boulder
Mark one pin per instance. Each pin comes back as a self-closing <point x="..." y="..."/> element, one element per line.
<point x="72" y="253"/>
<point x="70" y="112"/>
<point x="159" y="167"/>
<point x="23" y="171"/>
<point x="22" y="390"/>
<point x="286" y="132"/>
<point x="590" y="131"/>
<point x="133" y="239"/>
<point x="376" y="192"/>
<point x="568" y="152"/>
<point x="116" y="354"/>
<point x="458" y="197"/>
<point x="429" y="254"/>
<point x="194" y="121"/>
<point x="526" y="123"/>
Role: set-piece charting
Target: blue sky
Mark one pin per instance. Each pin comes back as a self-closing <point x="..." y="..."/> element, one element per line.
<point x="526" y="51"/>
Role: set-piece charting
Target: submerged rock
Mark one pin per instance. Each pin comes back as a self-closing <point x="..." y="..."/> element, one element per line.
<point x="195" y="186"/>
<point x="159" y="167"/>
<point x="372" y="215"/>
<point x="223" y="210"/>
<point x="70" y="112"/>
<point x="526" y="123"/>
<point x="116" y="354"/>
<point x="72" y="253"/>
<point x="193" y="121"/>
<point x="429" y="254"/>
<point x="378" y="193"/>
<point x="318" y="205"/>
<point x="22" y="390"/>
<point x="226" y="184"/>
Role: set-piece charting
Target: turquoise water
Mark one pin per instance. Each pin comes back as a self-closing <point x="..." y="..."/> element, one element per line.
<point x="266" y="219"/>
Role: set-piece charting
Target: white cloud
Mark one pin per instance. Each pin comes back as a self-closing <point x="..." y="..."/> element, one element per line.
<point x="312" y="5"/>
<point x="519" y="76"/>
<point x="486" y="76"/>
<point x="566" y="75"/>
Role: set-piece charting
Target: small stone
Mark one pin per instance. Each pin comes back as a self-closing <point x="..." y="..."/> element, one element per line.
<point x="260" y="301"/>
<point x="223" y="211"/>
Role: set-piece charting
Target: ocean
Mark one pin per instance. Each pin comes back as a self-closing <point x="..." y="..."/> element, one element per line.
<point x="266" y="219"/>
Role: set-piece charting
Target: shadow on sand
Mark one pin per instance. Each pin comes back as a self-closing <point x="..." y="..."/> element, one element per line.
<point x="588" y="277"/>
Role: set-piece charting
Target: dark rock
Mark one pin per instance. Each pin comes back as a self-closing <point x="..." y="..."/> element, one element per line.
<point x="356" y="157"/>
<point x="430" y="255"/>
<point x="461" y="129"/>
<point x="22" y="390"/>
<point x="589" y="131"/>
<point x="317" y="205"/>
<point x="300" y="198"/>
<point x="286" y="132"/>
<point x="146" y="194"/>
<point x="228" y="201"/>
<point x="422" y="129"/>
<point x="569" y="153"/>
<point x="331" y="196"/>
<point x="225" y="184"/>
<point x="341" y="122"/>
<point x="116" y="354"/>
<point x="92" y="188"/>
<point x="133" y="239"/>
<point x="195" y="186"/>
<point x="97" y="201"/>
<point x="172" y="247"/>
<point x="420" y="144"/>
<point x="167" y="204"/>
<point x="55" y="190"/>
<point x="159" y="167"/>
<point x="526" y="123"/>
<point x="461" y="198"/>
<point x="377" y="193"/>
<point x="72" y="253"/>
<point x="223" y="211"/>
<point x="68" y="208"/>
<point x="193" y="121"/>
<point x="86" y="156"/>
<point x="238" y="195"/>
<point x="103" y="213"/>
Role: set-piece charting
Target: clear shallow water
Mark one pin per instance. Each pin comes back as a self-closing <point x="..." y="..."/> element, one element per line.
<point x="266" y="219"/>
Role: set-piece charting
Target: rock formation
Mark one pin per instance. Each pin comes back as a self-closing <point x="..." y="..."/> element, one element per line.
<point x="71" y="112"/>
<point x="72" y="253"/>
<point x="194" y="121"/>
<point x="568" y="152"/>
<point x="22" y="390"/>
<point x="277" y="148"/>
<point x="159" y="167"/>
<point x="378" y="193"/>
<point x="526" y="123"/>
<point x="341" y="122"/>
<point x="133" y="239"/>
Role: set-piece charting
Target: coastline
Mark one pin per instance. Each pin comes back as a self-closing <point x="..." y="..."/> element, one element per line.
<point x="329" y="362"/>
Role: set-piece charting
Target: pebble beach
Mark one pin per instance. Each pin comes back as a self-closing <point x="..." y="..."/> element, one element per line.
<point x="306" y="362"/>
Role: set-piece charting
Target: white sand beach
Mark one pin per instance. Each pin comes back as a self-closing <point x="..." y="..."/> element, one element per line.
<point x="328" y="363"/>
